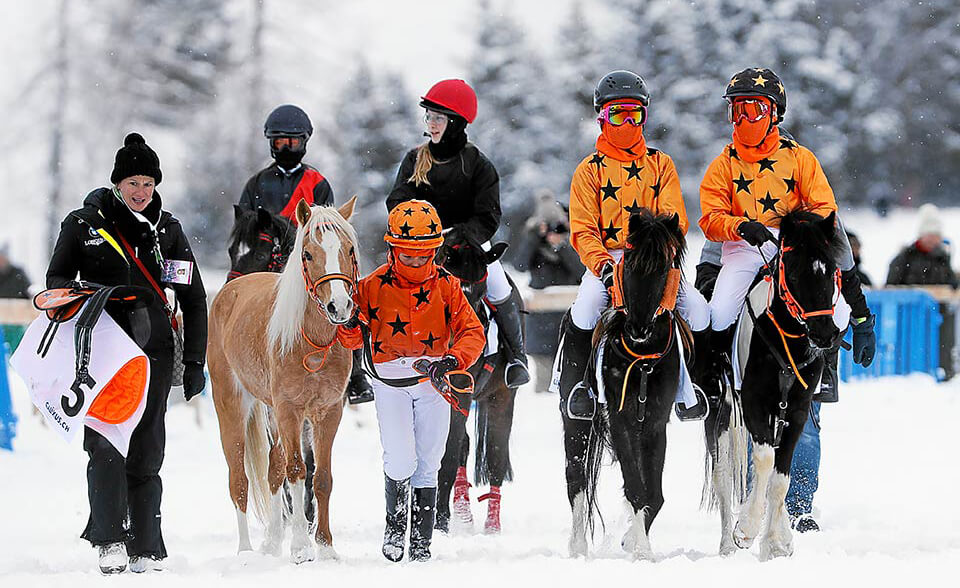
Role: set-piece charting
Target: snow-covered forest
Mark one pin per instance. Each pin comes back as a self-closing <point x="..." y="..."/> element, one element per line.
<point x="873" y="88"/>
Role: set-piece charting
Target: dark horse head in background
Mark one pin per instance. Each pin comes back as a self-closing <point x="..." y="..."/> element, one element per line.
<point x="465" y="259"/>
<point x="640" y="374"/>
<point x="259" y="242"/>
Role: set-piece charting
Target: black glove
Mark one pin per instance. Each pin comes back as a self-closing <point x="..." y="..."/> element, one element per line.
<point x="754" y="233"/>
<point x="193" y="379"/>
<point x="864" y="340"/>
<point x="439" y="368"/>
<point x="606" y="276"/>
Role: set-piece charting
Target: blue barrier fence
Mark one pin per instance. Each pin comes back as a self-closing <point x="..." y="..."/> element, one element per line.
<point x="908" y="336"/>
<point x="8" y="420"/>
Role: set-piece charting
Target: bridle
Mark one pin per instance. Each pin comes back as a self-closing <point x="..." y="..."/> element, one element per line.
<point x="793" y="306"/>
<point x="313" y="286"/>
<point x="278" y="259"/>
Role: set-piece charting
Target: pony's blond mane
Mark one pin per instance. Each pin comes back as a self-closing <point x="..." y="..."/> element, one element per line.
<point x="290" y="301"/>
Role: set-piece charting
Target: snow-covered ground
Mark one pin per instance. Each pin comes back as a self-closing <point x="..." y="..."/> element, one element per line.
<point x="887" y="504"/>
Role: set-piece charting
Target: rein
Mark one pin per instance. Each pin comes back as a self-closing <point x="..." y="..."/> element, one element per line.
<point x="647" y="361"/>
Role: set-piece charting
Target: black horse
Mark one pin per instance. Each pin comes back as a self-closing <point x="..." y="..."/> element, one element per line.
<point x="259" y="242"/>
<point x="638" y="352"/>
<point x="790" y="329"/>
<point x="466" y="260"/>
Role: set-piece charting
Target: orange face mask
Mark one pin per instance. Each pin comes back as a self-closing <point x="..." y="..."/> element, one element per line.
<point x="414" y="275"/>
<point x="623" y="137"/>
<point x="751" y="120"/>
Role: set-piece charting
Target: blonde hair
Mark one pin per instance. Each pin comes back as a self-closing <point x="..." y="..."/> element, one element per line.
<point x="424" y="162"/>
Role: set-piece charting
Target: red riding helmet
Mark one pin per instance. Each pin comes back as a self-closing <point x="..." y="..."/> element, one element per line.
<point x="454" y="97"/>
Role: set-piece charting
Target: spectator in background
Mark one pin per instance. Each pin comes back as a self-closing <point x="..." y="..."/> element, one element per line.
<point x="855" y="249"/>
<point x="927" y="260"/>
<point x="545" y="250"/>
<point x="13" y="280"/>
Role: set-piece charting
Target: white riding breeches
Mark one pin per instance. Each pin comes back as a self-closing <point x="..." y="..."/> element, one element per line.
<point x="741" y="262"/>
<point x="414" y="422"/>
<point x="498" y="287"/>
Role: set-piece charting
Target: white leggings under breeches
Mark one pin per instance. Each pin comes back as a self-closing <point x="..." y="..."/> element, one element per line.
<point x="498" y="287"/>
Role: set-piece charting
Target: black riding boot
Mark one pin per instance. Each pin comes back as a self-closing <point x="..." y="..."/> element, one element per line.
<point x="577" y="400"/>
<point x="359" y="389"/>
<point x="398" y="506"/>
<point x="422" y="519"/>
<point x="510" y="322"/>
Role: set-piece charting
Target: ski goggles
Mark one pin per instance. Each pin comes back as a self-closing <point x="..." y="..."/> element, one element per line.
<point x="291" y="143"/>
<point x="622" y="113"/>
<point x="749" y="109"/>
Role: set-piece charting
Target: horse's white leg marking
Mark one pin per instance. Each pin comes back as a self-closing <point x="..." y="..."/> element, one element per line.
<point x="723" y="492"/>
<point x="273" y="535"/>
<point x="244" y="531"/>
<point x="751" y="516"/>
<point x="778" y="540"/>
<point x="635" y="540"/>
<point x="578" y="531"/>
<point x="301" y="546"/>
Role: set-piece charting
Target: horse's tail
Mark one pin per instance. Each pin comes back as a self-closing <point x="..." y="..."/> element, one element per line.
<point x="596" y="444"/>
<point x="256" y="458"/>
<point x="483" y="434"/>
<point x="728" y="456"/>
<point x="738" y="445"/>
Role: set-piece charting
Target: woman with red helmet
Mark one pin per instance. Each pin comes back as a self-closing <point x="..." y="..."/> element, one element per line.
<point x="457" y="178"/>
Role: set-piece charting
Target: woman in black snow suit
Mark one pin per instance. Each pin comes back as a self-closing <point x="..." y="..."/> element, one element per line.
<point x="464" y="187"/>
<point x="125" y="494"/>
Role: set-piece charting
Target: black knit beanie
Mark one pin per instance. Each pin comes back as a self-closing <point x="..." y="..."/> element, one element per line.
<point x="136" y="158"/>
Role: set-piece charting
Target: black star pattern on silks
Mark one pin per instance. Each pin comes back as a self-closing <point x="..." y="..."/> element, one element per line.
<point x="609" y="191"/>
<point x="610" y="232"/>
<point x="791" y="184"/>
<point x="656" y="190"/>
<point x="432" y="226"/>
<point x="425" y="210"/>
<point x="633" y="208"/>
<point x="405" y="229"/>
<point x="597" y="159"/>
<point x="767" y="163"/>
<point x="769" y="203"/>
<point x="372" y="312"/>
<point x="429" y="341"/>
<point x="386" y="278"/>
<point x="398" y="326"/>
<point x="633" y="171"/>
<point x="733" y="153"/>
<point x="378" y="346"/>
<point x="743" y="184"/>
<point x="407" y="212"/>
<point x="787" y="143"/>
<point x="422" y="296"/>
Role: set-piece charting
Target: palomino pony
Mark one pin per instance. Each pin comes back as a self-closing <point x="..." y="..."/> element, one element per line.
<point x="638" y="371"/>
<point x="274" y="361"/>
<point x="791" y="332"/>
<point x="466" y="260"/>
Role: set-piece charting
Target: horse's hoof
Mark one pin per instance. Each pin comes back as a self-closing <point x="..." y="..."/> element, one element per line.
<point x="327" y="553"/>
<point x="271" y="548"/>
<point x="727" y="548"/>
<point x="772" y="550"/>
<point x="741" y="539"/>
<point x="629" y="542"/>
<point x="302" y="553"/>
<point x="578" y="547"/>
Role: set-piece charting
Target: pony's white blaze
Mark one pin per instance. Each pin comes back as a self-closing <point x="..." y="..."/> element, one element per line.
<point x="339" y="296"/>
<point x="819" y="267"/>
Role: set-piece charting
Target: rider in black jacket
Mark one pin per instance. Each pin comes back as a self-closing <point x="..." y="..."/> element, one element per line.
<point x="92" y="247"/>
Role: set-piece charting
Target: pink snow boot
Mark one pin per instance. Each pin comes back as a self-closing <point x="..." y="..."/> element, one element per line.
<point x="492" y="526"/>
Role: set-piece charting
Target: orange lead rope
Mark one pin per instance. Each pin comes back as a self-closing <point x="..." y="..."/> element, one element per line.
<point x="638" y="357"/>
<point x="317" y="349"/>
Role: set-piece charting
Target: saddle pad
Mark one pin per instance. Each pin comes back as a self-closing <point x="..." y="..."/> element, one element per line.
<point x="757" y="298"/>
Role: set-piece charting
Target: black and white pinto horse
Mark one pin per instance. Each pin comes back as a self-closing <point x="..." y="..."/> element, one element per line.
<point x="466" y="260"/>
<point x="637" y="366"/>
<point x="791" y="332"/>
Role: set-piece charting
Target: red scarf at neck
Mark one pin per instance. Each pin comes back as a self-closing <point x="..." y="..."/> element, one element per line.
<point x="753" y="154"/>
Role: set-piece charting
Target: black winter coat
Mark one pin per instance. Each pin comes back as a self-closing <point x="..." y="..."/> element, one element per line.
<point x="465" y="190"/>
<point x="271" y="189"/>
<point x="14" y="283"/>
<point x="80" y="250"/>
<point x="914" y="267"/>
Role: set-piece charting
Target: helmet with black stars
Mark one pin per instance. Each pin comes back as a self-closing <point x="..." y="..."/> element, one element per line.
<point x="759" y="81"/>
<point x="414" y="224"/>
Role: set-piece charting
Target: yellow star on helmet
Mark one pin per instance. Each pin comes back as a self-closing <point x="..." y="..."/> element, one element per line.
<point x="759" y="80"/>
<point x="733" y="82"/>
<point x="779" y="85"/>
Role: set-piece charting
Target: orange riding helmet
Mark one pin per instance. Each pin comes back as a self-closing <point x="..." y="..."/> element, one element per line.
<point x="414" y="224"/>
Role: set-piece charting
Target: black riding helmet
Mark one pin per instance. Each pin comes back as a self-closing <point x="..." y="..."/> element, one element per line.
<point x="288" y="121"/>
<point x="618" y="85"/>
<point x="759" y="81"/>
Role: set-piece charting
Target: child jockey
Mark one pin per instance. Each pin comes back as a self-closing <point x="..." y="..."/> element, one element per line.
<point x="623" y="175"/>
<point x="414" y="310"/>
<point x="757" y="178"/>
